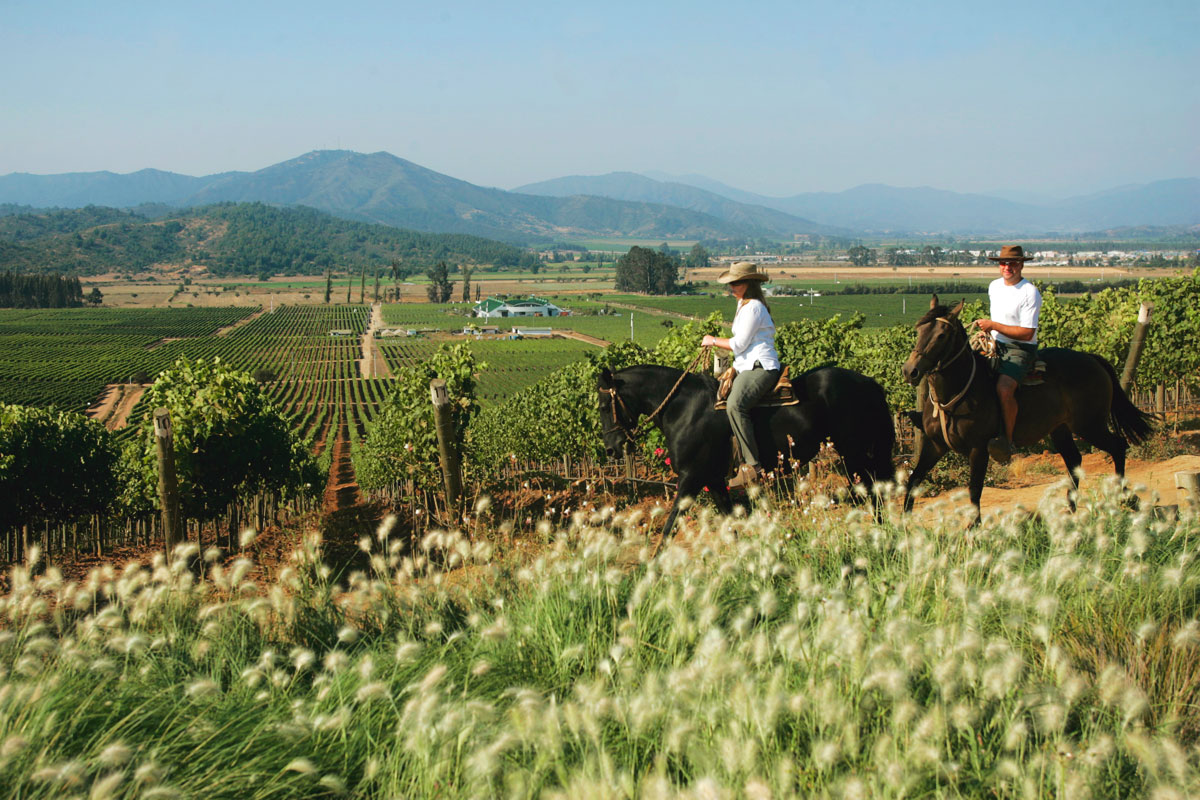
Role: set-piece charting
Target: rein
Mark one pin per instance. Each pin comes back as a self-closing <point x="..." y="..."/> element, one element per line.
<point x="615" y="398"/>
<point x="942" y="410"/>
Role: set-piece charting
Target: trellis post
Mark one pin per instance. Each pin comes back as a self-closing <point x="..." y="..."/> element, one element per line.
<point x="447" y="451"/>
<point x="1135" y="348"/>
<point x="168" y="482"/>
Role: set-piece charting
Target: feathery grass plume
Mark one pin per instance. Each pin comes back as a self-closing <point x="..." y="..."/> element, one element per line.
<point x="106" y="786"/>
<point x="372" y="691"/>
<point x="115" y="755"/>
<point x="300" y="765"/>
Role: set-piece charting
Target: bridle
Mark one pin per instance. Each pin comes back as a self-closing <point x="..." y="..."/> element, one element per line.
<point x="966" y="346"/>
<point x="942" y="410"/>
<point x="615" y="399"/>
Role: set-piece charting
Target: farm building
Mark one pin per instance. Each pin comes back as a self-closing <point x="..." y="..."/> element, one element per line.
<point x="531" y="307"/>
<point x="522" y="331"/>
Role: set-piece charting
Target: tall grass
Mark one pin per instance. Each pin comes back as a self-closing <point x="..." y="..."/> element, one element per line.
<point x="791" y="653"/>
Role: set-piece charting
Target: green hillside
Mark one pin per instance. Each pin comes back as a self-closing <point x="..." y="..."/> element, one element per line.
<point x="229" y="239"/>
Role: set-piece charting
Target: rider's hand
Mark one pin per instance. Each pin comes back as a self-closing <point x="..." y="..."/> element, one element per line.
<point x="984" y="325"/>
<point x="708" y="341"/>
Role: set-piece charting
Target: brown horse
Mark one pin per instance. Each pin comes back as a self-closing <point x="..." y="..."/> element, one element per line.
<point x="1079" y="396"/>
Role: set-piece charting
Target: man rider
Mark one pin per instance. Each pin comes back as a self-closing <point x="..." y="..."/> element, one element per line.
<point x="1015" y="306"/>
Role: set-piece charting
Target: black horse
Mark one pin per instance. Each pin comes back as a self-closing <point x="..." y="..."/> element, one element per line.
<point x="835" y="403"/>
<point x="1079" y="396"/>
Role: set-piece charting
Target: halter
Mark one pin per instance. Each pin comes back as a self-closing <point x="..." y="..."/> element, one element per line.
<point x="615" y="398"/>
<point x="941" y="410"/>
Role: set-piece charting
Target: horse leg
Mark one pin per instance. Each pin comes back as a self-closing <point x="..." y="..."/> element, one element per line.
<point x="978" y="459"/>
<point x="1064" y="442"/>
<point x="1101" y="437"/>
<point x="930" y="453"/>
<point x="721" y="498"/>
<point x="689" y="486"/>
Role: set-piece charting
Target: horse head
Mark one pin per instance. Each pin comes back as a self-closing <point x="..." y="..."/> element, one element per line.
<point x="940" y="339"/>
<point x="616" y="423"/>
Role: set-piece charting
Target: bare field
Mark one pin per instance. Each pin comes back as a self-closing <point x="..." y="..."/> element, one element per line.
<point x="303" y="290"/>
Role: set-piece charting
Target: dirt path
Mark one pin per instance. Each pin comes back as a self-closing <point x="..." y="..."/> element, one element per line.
<point x="341" y="492"/>
<point x="244" y="321"/>
<point x="102" y="409"/>
<point x="115" y="403"/>
<point x="1033" y="476"/>
<point x="372" y="364"/>
<point x="583" y="337"/>
<point x="657" y="312"/>
<point x="120" y="416"/>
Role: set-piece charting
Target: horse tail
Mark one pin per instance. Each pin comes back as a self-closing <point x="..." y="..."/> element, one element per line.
<point x="1130" y="422"/>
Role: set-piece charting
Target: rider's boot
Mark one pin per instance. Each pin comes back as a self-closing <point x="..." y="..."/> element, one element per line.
<point x="746" y="476"/>
<point x="1000" y="448"/>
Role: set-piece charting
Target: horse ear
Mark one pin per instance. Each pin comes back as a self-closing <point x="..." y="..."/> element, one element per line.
<point x="958" y="307"/>
<point x="933" y="303"/>
<point x="606" y="377"/>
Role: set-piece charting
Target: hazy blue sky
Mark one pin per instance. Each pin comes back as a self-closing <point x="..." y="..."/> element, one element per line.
<point x="774" y="97"/>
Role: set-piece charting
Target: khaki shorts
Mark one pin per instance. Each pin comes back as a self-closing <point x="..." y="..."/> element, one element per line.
<point x="1015" y="360"/>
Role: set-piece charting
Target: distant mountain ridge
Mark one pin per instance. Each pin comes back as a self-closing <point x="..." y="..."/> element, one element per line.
<point x="878" y="208"/>
<point x="382" y="188"/>
<point x="640" y="188"/>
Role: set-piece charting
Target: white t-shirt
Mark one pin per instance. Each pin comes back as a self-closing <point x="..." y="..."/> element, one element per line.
<point x="753" y="337"/>
<point x="1017" y="305"/>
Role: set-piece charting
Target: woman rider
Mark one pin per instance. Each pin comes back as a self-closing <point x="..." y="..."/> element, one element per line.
<point x="754" y="360"/>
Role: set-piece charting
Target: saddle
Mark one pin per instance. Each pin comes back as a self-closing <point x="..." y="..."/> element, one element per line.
<point x="985" y="345"/>
<point x="781" y="395"/>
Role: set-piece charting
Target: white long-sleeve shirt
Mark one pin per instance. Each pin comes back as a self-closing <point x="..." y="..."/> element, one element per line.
<point x="753" y="337"/>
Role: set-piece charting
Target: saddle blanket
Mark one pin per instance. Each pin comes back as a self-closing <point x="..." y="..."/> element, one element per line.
<point x="781" y="395"/>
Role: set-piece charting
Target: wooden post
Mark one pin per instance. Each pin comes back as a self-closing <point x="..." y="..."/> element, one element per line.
<point x="1188" y="484"/>
<point x="447" y="450"/>
<point x="168" y="482"/>
<point x="1135" y="347"/>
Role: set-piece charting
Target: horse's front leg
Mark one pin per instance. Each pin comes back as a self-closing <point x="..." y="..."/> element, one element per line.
<point x="978" y="459"/>
<point x="927" y="456"/>
<point x="689" y="485"/>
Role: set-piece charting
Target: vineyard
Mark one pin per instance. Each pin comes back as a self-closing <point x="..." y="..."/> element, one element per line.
<point x="528" y="403"/>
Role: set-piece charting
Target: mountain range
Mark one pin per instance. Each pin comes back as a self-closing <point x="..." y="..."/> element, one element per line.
<point x="877" y="208"/>
<point x="382" y="188"/>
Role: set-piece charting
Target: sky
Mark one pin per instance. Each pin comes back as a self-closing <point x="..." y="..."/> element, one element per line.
<point x="1036" y="99"/>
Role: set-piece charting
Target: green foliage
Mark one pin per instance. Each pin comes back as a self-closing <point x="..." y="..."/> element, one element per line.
<point x="556" y="417"/>
<point x="229" y="440"/>
<point x="646" y="270"/>
<point x="40" y="291"/>
<point x="54" y="466"/>
<point x="229" y="239"/>
<point x="809" y="343"/>
<point x="402" y="441"/>
<point x="1104" y="322"/>
<point x="440" y="286"/>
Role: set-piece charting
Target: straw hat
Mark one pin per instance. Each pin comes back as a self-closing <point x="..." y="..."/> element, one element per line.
<point x="1011" y="252"/>
<point x="742" y="271"/>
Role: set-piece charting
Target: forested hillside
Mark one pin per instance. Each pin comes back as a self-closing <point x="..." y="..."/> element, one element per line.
<point x="226" y="239"/>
